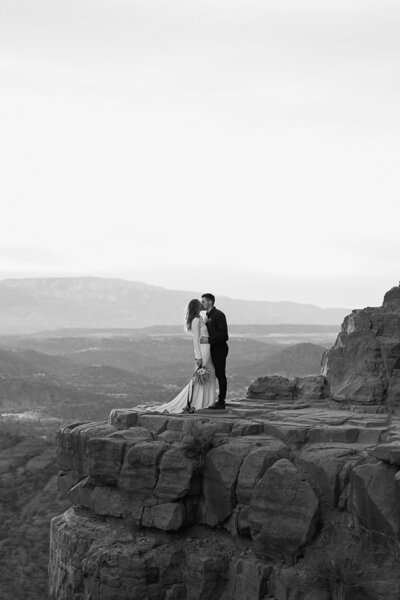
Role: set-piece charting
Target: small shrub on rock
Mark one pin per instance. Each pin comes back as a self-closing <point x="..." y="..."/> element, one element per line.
<point x="197" y="441"/>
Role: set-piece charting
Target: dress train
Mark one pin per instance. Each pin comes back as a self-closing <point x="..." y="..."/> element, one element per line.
<point x="202" y="395"/>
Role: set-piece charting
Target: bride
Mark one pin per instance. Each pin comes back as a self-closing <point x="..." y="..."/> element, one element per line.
<point x="200" y="391"/>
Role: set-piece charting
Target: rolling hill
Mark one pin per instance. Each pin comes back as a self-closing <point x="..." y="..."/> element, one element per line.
<point x="78" y="377"/>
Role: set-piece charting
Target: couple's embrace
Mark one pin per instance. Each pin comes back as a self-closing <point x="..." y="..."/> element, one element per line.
<point x="210" y="336"/>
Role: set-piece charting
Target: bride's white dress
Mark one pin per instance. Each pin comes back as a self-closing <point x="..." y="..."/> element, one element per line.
<point x="202" y="395"/>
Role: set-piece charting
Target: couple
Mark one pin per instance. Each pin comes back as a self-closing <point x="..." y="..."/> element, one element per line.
<point x="210" y="351"/>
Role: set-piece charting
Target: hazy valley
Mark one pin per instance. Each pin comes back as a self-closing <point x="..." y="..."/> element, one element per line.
<point x="81" y="374"/>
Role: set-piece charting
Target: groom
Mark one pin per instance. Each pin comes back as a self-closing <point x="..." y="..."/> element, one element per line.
<point x="218" y="336"/>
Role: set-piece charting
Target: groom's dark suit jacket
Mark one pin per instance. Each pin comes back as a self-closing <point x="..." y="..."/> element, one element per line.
<point x="217" y="326"/>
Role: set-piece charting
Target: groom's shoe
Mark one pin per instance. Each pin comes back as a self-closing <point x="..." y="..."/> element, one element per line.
<point x="218" y="406"/>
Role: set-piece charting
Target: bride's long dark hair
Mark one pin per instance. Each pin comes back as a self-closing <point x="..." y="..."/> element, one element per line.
<point x="192" y="311"/>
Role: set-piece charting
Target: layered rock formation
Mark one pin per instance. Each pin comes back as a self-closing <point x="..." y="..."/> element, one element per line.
<point x="364" y="365"/>
<point x="278" y="388"/>
<point x="213" y="506"/>
<point x="362" y="368"/>
<point x="286" y="495"/>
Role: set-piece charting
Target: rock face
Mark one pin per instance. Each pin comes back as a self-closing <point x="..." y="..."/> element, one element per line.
<point x="271" y="388"/>
<point x="276" y="387"/>
<point x="140" y="467"/>
<point x="364" y="365"/>
<point x="221" y="473"/>
<point x="221" y="506"/>
<point x="374" y="497"/>
<point x="158" y="505"/>
<point x="96" y="550"/>
<point x="283" y="511"/>
<point x="254" y="466"/>
<point x="330" y="465"/>
<point x="391" y="300"/>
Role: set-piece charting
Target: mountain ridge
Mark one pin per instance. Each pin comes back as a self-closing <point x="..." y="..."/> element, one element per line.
<point x="28" y="305"/>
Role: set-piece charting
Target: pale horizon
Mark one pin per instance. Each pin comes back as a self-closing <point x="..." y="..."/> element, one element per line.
<point x="247" y="148"/>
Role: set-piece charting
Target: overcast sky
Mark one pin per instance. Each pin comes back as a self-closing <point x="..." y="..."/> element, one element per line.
<point x="250" y="148"/>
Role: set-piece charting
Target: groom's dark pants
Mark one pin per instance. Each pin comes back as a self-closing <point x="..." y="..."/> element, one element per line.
<point x="219" y="352"/>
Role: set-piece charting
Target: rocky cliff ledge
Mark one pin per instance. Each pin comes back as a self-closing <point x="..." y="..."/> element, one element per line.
<point x="288" y="495"/>
<point x="237" y="506"/>
<point x="364" y="365"/>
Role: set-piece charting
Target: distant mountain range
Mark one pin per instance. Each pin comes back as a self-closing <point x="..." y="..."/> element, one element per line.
<point x="34" y="304"/>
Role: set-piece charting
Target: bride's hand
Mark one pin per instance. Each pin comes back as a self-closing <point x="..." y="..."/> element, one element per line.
<point x="199" y="362"/>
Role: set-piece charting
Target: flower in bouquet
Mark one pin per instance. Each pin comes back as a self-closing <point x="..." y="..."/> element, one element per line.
<point x="202" y="375"/>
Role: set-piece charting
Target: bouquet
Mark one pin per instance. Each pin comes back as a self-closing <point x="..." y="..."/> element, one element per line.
<point x="202" y="375"/>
